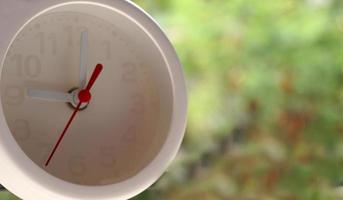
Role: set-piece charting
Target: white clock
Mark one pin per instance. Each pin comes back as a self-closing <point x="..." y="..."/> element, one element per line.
<point x="93" y="99"/>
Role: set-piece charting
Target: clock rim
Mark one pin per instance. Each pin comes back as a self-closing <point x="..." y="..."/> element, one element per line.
<point x="30" y="188"/>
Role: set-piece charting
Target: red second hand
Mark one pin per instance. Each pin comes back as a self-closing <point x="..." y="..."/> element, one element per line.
<point x="84" y="96"/>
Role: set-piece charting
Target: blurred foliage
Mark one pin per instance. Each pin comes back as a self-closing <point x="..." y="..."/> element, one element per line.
<point x="7" y="196"/>
<point x="265" y="89"/>
<point x="265" y="82"/>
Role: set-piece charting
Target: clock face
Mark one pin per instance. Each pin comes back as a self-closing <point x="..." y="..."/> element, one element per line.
<point x="114" y="135"/>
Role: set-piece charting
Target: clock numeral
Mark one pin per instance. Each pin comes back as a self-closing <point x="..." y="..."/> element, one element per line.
<point x="33" y="66"/>
<point x="83" y="29"/>
<point x="53" y="39"/>
<point x="22" y="129"/>
<point x="18" y="59"/>
<point x="108" y="49"/>
<point x="77" y="165"/>
<point x="69" y="31"/>
<point x="138" y="105"/>
<point x="41" y="39"/>
<point x="41" y="36"/>
<point x="130" y="72"/>
<point x="29" y="66"/>
<point x="14" y="95"/>
<point x="130" y="134"/>
<point x="108" y="156"/>
<point x="45" y="149"/>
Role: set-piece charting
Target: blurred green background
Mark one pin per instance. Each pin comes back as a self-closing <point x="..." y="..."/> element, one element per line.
<point x="265" y="83"/>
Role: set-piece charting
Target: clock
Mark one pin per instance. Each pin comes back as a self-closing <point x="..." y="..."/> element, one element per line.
<point x="93" y="99"/>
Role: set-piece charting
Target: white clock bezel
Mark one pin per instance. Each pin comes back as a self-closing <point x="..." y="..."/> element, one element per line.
<point x="13" y="15"/>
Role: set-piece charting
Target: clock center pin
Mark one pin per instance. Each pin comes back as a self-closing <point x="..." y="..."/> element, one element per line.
<point x="79" y="95"/>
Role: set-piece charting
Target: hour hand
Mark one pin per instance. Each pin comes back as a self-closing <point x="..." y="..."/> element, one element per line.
<point x="83" y="59"/>
<point x="49" y="95"/>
